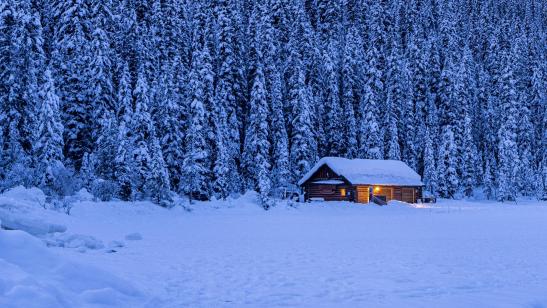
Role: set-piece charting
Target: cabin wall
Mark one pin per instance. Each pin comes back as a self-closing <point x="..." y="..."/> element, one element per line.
<point x="329" y="192"/>
<point x="405" y="194"/>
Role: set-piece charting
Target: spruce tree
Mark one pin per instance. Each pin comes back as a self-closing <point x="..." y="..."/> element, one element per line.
<point x="256" y="149"/>
<point x="140" y="132"/>
<point x="507" y="136"/>
<point x="302" y="152"/>
<point x="280" y="139"/>
<point x="48" y="149"/>
<point x="430" y="177"/>
<point x="195" y="164"/>
<point x="446" y="165"/>
<point x="158" y="185"/>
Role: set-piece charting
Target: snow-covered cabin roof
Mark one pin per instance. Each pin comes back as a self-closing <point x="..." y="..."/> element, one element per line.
<point x="368" y="171"/>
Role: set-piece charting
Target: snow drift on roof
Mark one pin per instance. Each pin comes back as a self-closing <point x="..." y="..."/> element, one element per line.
<point x="369" y="171"/>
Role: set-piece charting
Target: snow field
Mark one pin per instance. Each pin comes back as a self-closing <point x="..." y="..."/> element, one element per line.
<point x="323" y="254"/>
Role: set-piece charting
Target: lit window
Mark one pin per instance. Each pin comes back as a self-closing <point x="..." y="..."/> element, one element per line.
<point x="376" y="189"/>
<point x="342" y="192"/>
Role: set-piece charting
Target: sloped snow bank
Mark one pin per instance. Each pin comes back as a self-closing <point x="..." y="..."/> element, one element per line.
<point x="32" y="276"/>
<point x="11" y="221"/>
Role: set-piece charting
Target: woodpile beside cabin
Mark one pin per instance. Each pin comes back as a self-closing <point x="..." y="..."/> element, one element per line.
<point x="362" y="181"/>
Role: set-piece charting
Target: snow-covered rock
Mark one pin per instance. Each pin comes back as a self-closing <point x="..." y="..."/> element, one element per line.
<point x="33" y="276"/>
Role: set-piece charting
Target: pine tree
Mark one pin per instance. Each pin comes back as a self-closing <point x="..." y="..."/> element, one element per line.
<point x="469" y="159"/>
<point x="280" y="140"/>
<point x="49" y="138"/>
<point x="507" y="147"/>
<point x="350" y="85"/>
<point x="105" y="146"/>
<point x="332" y="140"/>
<point x="71" y="57"/>
<point x="169" y="126"/>
<point x="157" y="184"/>
<point x="21" y="64"/>
<point x="221" y="171"/>
<point x="446" y="165"/>
<point x="87" y="171"/>
<point x="140" y="132"/>
<point x="123" y="161"/>
<point x="370" y="132"/>
<point x="256" y="150"/>
<point x="302" y="153"/>
<point x="430" y="177"/>
<point x="228" y="89"/>
<point x="195" y="164"/>
<point x="99" y="72"/>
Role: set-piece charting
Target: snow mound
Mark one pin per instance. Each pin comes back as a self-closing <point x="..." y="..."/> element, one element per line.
<point x="20" y="193"/>
<point x="133" y="237"/>
<point x="78" y="241"/>
<point x="116" y="244"/>
<point x="32" y="276"/>
<point x="83" y="195"/>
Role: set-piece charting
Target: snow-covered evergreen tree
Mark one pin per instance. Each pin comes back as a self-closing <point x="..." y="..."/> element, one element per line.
<point x="196" y="160"/>
<point x="430" y="177"/>
<point x="302" y="152"/>
<point x="157" y="184"/>
<point x="446" y="165"/>
<point x="48" y="149"/>
<point x="256" y="149"/>
<point x="21" y="67"/>
<point x="507" y="135"/>
<point x="140" y="133"/>
<point x="280" y="140"/>
<point x="469" y="159"/>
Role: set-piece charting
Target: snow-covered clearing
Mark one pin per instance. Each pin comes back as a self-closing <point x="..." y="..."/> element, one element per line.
<point x="233" y="254"/>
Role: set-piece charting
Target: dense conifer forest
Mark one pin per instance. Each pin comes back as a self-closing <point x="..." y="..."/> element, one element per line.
<point x="142" y="99"/>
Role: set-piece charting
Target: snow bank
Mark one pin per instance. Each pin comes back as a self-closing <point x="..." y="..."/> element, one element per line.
<point x="33" y="276"/>
<point x="21" y="194"/>
<point x="13" y="221"/>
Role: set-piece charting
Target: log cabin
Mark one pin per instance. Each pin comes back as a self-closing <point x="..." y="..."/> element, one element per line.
<point x="362" y="181"/>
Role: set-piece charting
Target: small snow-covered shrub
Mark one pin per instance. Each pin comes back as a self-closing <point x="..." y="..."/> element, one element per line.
<point x="18" y="175"/>
<point x="105" y="190"/>
<point x="64" y="205"/>
<point x="83" y="195"/>
<point x="58" y="181"/>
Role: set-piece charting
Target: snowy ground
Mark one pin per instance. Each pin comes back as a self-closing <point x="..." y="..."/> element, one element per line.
<point x="233" y="254"/>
